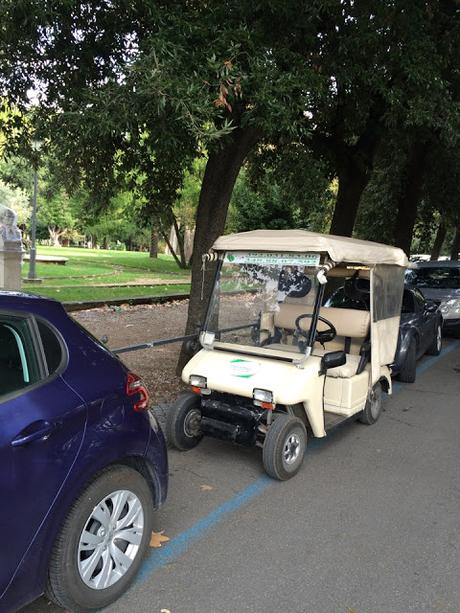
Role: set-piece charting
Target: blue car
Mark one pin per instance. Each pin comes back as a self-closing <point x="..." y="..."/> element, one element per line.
<point x="83" y="463"/>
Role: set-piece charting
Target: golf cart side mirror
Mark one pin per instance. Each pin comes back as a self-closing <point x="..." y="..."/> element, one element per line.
<point x="332" y="359"/>
<point x="431" y="306"/>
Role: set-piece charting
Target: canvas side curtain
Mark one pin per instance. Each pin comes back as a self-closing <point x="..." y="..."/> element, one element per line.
<point x="387" y="286"/>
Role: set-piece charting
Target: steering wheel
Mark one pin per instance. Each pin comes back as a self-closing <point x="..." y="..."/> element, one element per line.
<point x="325" y="336"/>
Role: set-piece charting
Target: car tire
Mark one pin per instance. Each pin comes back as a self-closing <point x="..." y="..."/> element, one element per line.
<point x="284" y="447"/>
<point x="373" y="407"/>
<point x="436" y="346"/>
<point x="116" y="492"/>
<point x="408" y="372"/>
<point x="183" y="430"/>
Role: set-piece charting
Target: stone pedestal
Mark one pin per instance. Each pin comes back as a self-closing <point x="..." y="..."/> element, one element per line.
<point x="10" y="264"/>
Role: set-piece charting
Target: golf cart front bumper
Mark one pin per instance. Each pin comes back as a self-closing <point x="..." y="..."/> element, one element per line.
<point x="230" y="418"/>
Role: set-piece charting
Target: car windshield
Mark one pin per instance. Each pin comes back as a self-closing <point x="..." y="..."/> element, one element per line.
<point x="442" y="277"/>
<point x="251" y="289"/>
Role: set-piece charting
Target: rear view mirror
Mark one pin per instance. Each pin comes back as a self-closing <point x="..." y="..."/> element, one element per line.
<point x="431" y="306"/>
<point x="332" y="359"/>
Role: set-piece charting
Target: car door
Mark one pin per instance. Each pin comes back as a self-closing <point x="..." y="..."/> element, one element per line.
<point x="42" y="424"/>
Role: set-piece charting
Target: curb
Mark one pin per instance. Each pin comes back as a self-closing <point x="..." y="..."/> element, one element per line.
<point x="94" y="304"/>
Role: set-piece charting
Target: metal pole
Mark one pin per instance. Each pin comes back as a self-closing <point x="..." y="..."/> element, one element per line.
<point x="33" y="250"/>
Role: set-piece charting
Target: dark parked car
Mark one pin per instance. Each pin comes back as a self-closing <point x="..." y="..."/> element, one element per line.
<point x="420" y="330"/>
<point x="440" y="281"/>
<point x="83" y="462"/>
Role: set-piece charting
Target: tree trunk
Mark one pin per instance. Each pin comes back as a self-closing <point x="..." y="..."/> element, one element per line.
<point x="438" y="241"/>
<point x="219" y="179"/>
<point x="353" y="179"/>
<point x="153" y="251"/>
<point x="411" y="191"/>
<point x="166" y="238"/>
<point x="180" y="234"/>
<point x="55" y="235"/>
<point x="455" y="249"/>
<point x="354" y="163"/>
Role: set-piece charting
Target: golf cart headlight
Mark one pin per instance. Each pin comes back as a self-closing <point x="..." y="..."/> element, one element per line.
<point x="451" y="308"/>
<point x="262" y="396"/>
<point x="198" y="381"/>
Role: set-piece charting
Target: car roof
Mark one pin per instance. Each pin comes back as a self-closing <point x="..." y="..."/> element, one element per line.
<point x="436" y="264"/>
<point x="23" y="301"/>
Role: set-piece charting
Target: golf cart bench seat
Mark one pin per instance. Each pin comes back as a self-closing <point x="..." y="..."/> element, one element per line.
<point x="350" y="324"/>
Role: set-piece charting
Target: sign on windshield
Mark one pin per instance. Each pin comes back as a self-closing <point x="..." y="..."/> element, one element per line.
<point x="273" y="259"/>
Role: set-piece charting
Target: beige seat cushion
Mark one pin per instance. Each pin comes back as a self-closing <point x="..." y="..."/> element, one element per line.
<point x="346" y="370"/>
<point x="347" y="322"/>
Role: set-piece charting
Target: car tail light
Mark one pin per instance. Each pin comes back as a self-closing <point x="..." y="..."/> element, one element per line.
<point x="135" y="387"/>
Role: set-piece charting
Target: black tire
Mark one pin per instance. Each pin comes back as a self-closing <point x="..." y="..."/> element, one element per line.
<point x="65" y="584"/>
<point x="276" y="440"/>
<point x="373" y="408"/>
<point x="435" y="347"/>
<point x="408" y="372"/>
<point x="182" y="422"/>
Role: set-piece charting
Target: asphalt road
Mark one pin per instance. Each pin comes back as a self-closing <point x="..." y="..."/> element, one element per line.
<point x="371" y="523"/>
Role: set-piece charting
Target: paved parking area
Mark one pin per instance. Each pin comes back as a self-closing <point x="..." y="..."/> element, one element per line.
<point x="369" y="525"/>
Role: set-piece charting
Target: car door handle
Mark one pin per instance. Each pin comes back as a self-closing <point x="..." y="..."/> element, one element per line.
<point x="41" y="429"/>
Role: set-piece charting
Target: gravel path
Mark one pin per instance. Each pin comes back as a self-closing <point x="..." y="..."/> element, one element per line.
<point x="127" y="325"/>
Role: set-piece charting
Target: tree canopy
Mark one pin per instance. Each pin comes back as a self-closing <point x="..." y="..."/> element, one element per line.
<point x="129" y="93"/>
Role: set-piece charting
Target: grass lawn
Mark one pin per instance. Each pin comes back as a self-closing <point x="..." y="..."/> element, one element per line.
<point x="87" y="268"/>
<point x="71" y="294"/>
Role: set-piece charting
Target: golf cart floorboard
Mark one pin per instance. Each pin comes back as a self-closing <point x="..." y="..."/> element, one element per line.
<point x="333" y="419"/>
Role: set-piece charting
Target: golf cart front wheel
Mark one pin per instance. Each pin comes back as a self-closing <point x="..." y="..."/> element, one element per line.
<point x="284" y="447"/>
<point x="183" y="423"/>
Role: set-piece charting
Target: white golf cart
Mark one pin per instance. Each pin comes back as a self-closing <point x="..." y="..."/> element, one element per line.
<point x="275" y="362"/>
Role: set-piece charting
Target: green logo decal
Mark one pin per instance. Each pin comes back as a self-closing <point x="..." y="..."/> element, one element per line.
<point x="244" y="369"/>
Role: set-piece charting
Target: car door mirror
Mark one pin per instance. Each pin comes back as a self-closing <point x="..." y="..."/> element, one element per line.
<point x="431" y="306"/>
<point x="332" y="359"/>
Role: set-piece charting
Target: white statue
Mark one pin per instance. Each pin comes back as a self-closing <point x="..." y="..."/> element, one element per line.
<point x="9" y="231"/>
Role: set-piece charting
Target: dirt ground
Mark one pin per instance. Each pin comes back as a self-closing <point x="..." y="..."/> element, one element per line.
<point x="127" y="325"/>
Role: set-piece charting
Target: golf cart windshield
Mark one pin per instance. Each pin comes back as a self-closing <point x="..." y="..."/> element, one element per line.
<point x="249" y="291"/>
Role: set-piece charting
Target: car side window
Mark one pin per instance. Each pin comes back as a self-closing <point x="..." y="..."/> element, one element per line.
<point x="51" y="347"/>
<point x="18" y="361"/>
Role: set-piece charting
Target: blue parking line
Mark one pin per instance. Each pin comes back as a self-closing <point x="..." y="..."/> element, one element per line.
<point x="183" y="541"/>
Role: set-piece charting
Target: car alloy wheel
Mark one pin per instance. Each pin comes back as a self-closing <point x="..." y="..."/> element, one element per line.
<point x="110" y="540"/>
<point x="439" y="339"/>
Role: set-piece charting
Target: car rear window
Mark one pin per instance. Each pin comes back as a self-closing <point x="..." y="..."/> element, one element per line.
<point x="18" y="361"/>
<point x="442" y="277"/>
<point x="51" y="346"/>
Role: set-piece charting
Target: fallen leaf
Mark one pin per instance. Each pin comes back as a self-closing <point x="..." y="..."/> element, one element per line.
<point x="157" y="538"/>
<point x="206" y="488"/>
<point x="351" y="610"/>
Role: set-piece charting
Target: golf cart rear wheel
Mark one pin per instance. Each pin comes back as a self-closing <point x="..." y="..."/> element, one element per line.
<point x="284" y="447"/>
<point x="183" y="422"/>
<point x="373" y="407"/>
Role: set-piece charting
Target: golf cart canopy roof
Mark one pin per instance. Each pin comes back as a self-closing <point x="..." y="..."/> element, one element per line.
<point x="339" y="248"/>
